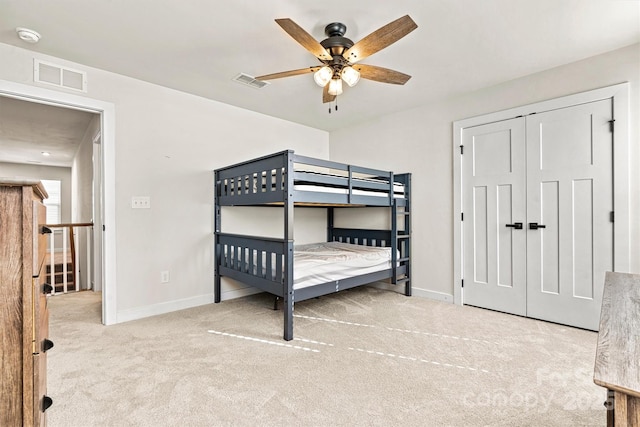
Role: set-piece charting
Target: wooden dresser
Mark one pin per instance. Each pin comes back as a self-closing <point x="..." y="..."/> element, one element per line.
<point x="617" y="365"/>
<point x="24" y="319"/>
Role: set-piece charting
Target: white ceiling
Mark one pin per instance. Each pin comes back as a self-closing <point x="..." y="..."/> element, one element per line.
<point x="28" y="129"/>
<point x="199" y="46"/>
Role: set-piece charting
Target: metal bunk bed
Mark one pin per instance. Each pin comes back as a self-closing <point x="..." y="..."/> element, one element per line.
<point x="282" y="180"/>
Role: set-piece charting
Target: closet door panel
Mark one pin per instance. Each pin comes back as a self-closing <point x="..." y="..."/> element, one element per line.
<point x="493" y="202"/>
<point x="570" y="194"/>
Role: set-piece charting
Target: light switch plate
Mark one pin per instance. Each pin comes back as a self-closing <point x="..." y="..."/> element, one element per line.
<point x="141" y="202"/>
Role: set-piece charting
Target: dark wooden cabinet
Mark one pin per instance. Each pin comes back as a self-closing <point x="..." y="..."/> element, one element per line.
<point x="24" y="318"/>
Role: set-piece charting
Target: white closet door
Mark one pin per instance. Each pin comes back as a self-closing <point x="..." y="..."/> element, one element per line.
<point x="570" y="193"/>
<point x="494" y="190"/>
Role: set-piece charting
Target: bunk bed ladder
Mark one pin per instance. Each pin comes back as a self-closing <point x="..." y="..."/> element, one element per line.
<point x="401" y="239"/>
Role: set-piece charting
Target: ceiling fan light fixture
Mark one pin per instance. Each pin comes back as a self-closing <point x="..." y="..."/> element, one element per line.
<point x="350" y="75"/>
<point x="323" y="76"/>
<point x="335" y="87"/>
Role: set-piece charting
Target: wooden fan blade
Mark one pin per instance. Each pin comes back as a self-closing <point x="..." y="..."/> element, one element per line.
<point x="305" y="39"/>
<point x="326" y="97"/>
<point x="379" y="74"/>
<point x="288" y="73"/>
<point x="379" y="39"/>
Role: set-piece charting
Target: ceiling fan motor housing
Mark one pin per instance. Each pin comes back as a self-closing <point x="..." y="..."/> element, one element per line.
<point x="335" y="42"/>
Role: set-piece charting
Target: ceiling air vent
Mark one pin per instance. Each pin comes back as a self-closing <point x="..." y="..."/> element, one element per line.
<point x="246" y="79"/>
<point x="57" y="75"/>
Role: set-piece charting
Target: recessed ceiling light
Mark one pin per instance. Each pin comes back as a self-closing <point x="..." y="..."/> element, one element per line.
<point x="46" y="153"/>
<point x="28" y="35"/>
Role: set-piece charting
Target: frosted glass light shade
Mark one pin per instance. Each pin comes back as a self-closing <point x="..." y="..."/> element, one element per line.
<point x="323" y="76"/>
<point x="350" y="75"/>
<point x="335" y="87"/>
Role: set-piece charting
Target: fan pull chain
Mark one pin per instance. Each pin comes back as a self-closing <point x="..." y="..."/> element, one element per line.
<point x="335" y="105"/>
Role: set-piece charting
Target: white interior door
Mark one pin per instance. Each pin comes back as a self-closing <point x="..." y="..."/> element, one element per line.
<point x="570" y="193"/>
<point x="553" y="173"/>
<point x="494" y="200"/>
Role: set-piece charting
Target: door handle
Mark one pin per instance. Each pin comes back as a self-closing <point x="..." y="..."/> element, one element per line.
<point x="535" y="226"/>
<point x="516" y="225"/>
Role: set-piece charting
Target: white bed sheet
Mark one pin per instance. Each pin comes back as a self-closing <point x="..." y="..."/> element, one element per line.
<point x="318" y="263"/>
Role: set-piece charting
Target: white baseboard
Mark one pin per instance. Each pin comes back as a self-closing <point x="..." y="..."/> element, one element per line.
<point x="438" y="296"/>
<point x="418" y="292"/>
<point x="162" y="308"/>
<point x="168" y="307"/>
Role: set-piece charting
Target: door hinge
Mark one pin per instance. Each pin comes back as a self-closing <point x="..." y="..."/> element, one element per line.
<point x="612" y="216"/>
<point x="462" y="149"/>
<point x="462" y="283"/>
<point x="103" y="228"/>
<point x="611" y="122"/>
<point x="461" y="216"/>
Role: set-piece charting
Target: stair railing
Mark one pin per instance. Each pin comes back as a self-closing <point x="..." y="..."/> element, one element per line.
<point x="66" y="255"/>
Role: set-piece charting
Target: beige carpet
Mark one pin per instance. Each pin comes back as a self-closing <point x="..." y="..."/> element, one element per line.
<point x="362" y="357"/>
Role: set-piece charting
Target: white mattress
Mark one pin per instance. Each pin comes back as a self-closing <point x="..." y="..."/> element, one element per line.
<point x="398" y="188"/>
<point x="318" y="263"/>
<point x="355" y="192"/>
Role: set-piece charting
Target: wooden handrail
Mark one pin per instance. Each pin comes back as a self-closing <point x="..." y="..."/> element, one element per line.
<point x="72" y="243"/>
<point x="70" y="224"/>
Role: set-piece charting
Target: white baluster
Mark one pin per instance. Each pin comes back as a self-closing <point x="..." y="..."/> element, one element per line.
<point x="64" y="258"/>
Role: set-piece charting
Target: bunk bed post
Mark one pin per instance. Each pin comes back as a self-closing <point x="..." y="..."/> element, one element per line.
<point x="407" y="228"/>
<point x="216" y="227"/>
<point x="330" y="224"/>
<point x="394" y="240"/>
<point x="288" y="255"/>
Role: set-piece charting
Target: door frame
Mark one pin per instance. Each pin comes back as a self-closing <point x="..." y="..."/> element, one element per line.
<point x="107" y="221"/>
<point x="619" y="94"/>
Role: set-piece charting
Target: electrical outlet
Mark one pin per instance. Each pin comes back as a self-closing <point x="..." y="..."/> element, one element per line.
<point x="164" y="277"/>
<point x="141" y="202"/>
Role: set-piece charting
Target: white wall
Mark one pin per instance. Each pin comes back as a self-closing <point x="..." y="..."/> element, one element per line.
<point x="420" y="141"/>
<point x="40" y="172"/>
<point x="82" y="175"/>
<point x="82" y="189"/>
<point x="167" y="145"/>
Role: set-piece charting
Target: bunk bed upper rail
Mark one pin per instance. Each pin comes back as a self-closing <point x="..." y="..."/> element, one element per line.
<point x="278" y="157"/>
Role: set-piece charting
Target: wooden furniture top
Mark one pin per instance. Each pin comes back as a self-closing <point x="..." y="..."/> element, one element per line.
<point x="38" y="188"/>
<point x="617" y="365"/>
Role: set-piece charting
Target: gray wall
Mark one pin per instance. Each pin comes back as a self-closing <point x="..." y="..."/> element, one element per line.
<point x="167" y="145"/>
<point x="420" y="141"/>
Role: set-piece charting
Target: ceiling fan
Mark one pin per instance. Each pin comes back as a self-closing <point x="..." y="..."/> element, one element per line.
<point x="340" y="57"/>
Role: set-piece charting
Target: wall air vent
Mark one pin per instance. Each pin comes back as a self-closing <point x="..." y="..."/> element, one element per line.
<point x="57" y="75"/>
<point x="247" y="80"/>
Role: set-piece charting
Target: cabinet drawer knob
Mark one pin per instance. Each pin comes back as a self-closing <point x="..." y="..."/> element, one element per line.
<point x="46" y="403"/>
<point x="47" y="288"/>
<point x="47" y="345"/>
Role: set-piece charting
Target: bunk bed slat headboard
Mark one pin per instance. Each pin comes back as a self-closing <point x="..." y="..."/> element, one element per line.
<point x="378" y="238"/>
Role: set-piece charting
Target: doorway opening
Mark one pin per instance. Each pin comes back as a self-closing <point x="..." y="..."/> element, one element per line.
<point x="88" y="175"/>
